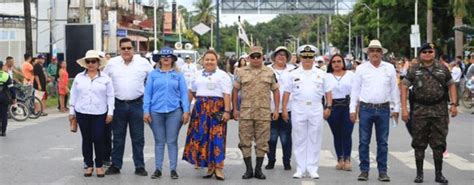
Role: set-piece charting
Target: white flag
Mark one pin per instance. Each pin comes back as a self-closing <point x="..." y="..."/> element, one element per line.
<point x="243" y="35"/>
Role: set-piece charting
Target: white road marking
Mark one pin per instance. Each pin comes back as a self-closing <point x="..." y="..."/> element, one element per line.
<point x="459" y="162"/>
<point x="408" y="159"/>
<point x="308" y="183"/>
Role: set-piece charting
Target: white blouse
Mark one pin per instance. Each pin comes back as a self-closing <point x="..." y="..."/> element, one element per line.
<point x="217" y="84"/>
<point x="94" y="96"/>
<point x="341" y="84"/>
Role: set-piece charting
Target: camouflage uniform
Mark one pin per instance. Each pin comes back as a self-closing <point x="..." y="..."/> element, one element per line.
<point x="430" y="110"/>
<point x="255" y="86"/>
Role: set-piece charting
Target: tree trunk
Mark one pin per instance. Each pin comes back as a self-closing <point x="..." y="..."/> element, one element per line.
<point x="429" y="22"/>
<point x="28" y="36"/>
<point x="458" y="37"/>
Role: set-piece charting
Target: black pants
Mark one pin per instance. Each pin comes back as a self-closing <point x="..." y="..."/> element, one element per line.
<point x="3" y="117"/>
<point x="282" y="129"/>
<point x="92" y="131"/>
<point x="108" y="142"/>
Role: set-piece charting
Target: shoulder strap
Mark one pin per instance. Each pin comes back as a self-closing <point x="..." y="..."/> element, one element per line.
<point x="435" y="77"/>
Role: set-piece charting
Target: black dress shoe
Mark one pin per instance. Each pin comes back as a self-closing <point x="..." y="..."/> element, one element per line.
<point x="286" y="166"/>
<point x="174" y="174"/>
<point x="141" y="172"/>
<point x="384" y="177"/>
<point x="364" y="176"/>
<point x="156" y="174"/>
<point x="112" y="170"/>
<point x="270" y="165"/>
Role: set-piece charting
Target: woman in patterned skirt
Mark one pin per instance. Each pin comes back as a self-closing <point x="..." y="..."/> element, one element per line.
<point x="206" y="136"/>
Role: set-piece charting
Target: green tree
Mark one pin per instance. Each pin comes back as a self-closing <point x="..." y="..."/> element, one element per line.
<point x="205" y="11"/>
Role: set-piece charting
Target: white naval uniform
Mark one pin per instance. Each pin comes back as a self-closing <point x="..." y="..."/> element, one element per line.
<point x="307" y="89"/>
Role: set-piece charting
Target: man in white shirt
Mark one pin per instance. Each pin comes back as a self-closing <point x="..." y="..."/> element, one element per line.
<point x="128" y="73"/>
<point x="279" y="128"/>
<point x="376" y="92"/>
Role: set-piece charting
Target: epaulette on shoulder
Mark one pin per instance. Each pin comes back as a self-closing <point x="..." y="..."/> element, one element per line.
<point x="294" y="68"/>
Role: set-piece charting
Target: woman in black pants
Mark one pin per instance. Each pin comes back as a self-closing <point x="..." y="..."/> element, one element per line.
<point x="92" y="106"/>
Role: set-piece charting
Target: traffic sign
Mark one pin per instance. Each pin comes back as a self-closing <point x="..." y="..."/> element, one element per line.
<point x="201" y="29"/>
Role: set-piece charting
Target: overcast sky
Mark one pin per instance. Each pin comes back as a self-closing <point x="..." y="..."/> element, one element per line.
<point x="228" y="19"/>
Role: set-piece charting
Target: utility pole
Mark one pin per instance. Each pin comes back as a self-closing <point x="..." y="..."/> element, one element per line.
<point x="416" y="23"/>
<point x="28" y="36"/>
<point x="218" y="36"/>
<point x="82" y="11"/>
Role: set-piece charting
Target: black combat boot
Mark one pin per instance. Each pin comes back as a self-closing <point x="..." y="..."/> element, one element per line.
<point x="270" y="165"/>
<point x="438" y="174"/>
<point x="249" y="172"/>
<point x="419" y="171"/>
<point x="258" y="169"/>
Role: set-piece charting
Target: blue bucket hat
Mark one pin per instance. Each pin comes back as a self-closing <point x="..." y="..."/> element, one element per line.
<point x="166" y="51"/>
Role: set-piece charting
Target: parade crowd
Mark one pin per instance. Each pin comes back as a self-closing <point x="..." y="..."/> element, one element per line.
<point x="289" y="100"/>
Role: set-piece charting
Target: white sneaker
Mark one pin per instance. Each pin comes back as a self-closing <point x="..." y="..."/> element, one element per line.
<point x="298" y="175"/>
<point x="315" y="176"/>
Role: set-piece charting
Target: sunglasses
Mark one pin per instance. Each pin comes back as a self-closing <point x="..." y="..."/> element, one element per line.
<point x="255" y="56"/>
<point x="91" y="61"/>
<point x="336" y="61"/>
<point x="427" y="51"/>
<point x="375" y="50"/>
<point x="126" y="48"/>
<point x="307" y="57"/>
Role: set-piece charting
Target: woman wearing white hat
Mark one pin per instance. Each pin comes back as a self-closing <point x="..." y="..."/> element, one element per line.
<point x="92" y="106"/>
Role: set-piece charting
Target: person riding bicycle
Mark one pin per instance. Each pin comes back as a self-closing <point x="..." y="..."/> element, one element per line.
<point x="7" y="96"/>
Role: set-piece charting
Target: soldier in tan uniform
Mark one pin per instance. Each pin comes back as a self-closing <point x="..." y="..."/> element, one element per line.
<point x="255" y="83"/>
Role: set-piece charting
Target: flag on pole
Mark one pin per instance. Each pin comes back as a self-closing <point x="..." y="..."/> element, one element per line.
<point x="243" y="35"/>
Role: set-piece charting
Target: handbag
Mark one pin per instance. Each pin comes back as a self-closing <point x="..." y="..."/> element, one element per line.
<point x="73" y="125"/>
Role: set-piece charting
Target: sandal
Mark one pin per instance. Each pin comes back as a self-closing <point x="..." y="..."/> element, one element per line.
<point x="88" y="172"/>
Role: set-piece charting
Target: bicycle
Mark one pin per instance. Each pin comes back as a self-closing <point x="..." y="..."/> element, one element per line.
<point x="18" y="111"/>
<point x="25" y="94"/>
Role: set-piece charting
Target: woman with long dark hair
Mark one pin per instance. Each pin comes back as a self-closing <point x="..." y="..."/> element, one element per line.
<point x="339" y="121"/>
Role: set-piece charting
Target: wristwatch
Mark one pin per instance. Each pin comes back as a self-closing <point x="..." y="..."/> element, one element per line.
<point x="328" y="107"/>
<point x="454" y="104"/>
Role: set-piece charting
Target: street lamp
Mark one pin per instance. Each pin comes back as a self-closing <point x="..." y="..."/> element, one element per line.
<point x="350" y="30"/>
<point x="378" y="18"/>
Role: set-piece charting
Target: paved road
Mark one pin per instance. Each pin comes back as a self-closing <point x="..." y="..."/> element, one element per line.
<point x="42" y="151"/>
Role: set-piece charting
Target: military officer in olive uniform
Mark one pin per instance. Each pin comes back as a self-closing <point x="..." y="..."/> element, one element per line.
<point x="255" y="83"/>
<point x="431" y="83"/>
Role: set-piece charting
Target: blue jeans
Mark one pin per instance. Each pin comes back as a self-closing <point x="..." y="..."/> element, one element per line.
<point x="282" y="129"/>
<point x="131" y="115"/>
<point x="380" y="117"/>
<point x="92" y="131"/>
<point x="165" y="128"/>
<point x="341" y="128"/>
